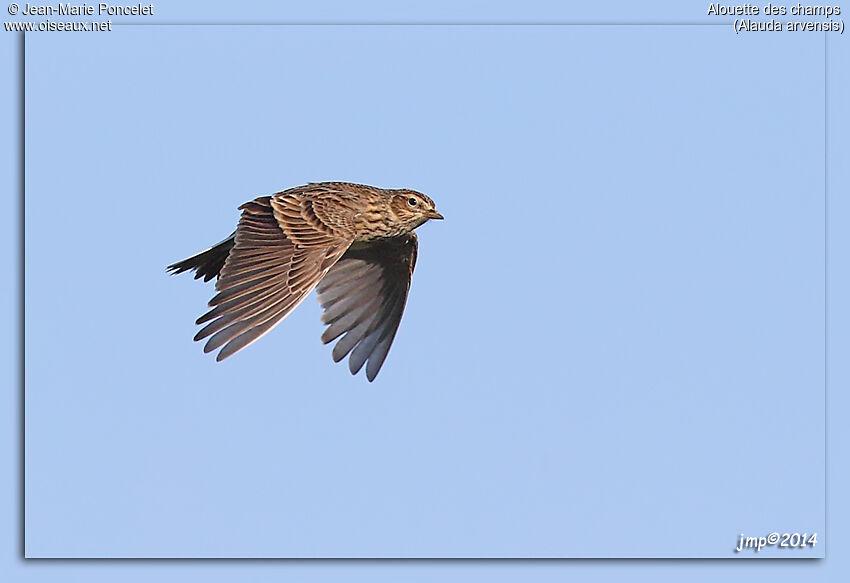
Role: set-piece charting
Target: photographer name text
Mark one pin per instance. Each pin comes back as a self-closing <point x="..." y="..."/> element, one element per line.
<point x="100" y="9"/>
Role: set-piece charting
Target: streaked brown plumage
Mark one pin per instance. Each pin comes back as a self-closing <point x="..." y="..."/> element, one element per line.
<point x="354" y="243"/>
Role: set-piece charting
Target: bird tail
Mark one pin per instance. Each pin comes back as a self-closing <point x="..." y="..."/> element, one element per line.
<point x="207" y="263"/>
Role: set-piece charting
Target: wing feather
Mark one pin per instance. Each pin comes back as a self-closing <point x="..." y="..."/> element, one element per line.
<point x="363" y="297"/>
<point x="268" y="272"/>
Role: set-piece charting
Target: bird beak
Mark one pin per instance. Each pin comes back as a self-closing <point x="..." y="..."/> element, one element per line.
<point x="434" y="215"/>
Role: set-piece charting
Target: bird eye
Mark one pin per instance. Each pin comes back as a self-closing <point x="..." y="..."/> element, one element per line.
<point x="412" y="201"/>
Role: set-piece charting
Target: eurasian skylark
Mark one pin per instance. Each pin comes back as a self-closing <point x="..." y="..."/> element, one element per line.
<point x="355" y="243"/>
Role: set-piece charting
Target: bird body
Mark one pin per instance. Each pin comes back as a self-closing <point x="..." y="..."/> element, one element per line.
<point x="352" y="241"/>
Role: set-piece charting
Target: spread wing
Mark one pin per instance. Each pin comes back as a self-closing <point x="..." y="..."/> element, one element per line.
<point x="281" y="250"/>
<point x="363" y="297"/>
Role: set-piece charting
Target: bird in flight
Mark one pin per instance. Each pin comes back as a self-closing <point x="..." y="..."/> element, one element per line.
<point x="354" y="243"/>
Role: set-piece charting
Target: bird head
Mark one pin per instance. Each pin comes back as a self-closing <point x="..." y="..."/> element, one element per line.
<point x="412" y="209"/>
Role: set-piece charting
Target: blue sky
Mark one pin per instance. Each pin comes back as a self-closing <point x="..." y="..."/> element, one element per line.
<point x="614" y="344"/>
